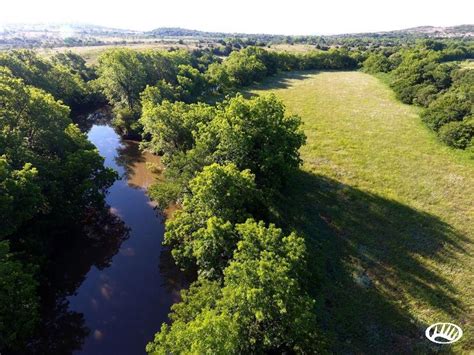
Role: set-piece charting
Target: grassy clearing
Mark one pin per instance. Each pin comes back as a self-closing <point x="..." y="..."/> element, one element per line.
<point x="389" y="212"/>
<point x="91" y="53"/>
<point x="294" y="48"/>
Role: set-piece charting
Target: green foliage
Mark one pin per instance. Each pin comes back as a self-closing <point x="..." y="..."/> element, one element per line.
<point x="63" y="77"/>
<point x="451" y="113"/>
<point x="244" y="69"/>
<point x="332" y="59"/>
<point x="262" y="285"/>
<point x="255" y="134"/>
<point x="261" y="307"/>
<point x="191" y="83"/>
<point x="48" y="168"/>
<point x="50" y="174"/>
<point x="213" y="246"/>
<point x="170" y="126"/>
<point x="418" y="69"/>
<point x="218" y="78"/>
<point x="126" y="121"/>
<point x="18" y="301"/>
<point x="452" y="106"/>
<point x="458" y="134"/>
<point x="155" y="95"/>
<point x="376" y="63"/>
<point x="201" y="233"/>
<point x="75" y="63"/>
<point x="122" y="76"/>
<point x="20" y="196"/>
<point x="446" y="90"/>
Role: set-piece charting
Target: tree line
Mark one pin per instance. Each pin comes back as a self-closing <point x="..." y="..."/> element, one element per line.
<point x="126" y="76"/>
<point x="50" y="176"/>
<point x="431" y="75"/>
<point x="223" y="165"/>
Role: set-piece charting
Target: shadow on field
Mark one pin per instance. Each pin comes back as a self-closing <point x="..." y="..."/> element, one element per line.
<point x="363" y="258"/>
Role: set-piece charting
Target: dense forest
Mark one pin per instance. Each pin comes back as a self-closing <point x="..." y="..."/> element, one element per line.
<point x="227" y="157"/>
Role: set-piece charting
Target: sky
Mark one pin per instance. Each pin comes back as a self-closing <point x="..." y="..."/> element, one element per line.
<point x="290" y="17"/>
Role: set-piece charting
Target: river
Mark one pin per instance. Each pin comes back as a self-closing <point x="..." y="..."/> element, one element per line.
<point x="113" y="288"/>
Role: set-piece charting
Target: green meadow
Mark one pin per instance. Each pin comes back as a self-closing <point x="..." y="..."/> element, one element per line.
<point x="388" y="211"/>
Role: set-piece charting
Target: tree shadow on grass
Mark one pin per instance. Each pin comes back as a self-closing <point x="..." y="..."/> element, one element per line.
<point x="364" y="254"/>
<point x="279" y="81"/>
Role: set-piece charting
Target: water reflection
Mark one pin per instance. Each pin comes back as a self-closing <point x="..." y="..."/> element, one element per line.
<point x="92" y="244"/>
<point x="140" y="167"/>
<point x="112" y="286"/>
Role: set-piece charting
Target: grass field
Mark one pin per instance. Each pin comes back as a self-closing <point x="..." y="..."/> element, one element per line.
<point x="91" y="53"/>
<point x="388" y="211"/>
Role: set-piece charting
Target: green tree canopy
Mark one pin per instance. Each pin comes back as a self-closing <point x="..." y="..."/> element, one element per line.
<point x="261" y="307"/>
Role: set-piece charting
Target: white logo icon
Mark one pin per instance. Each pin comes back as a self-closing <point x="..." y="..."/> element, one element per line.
<point x="443" y="333"/>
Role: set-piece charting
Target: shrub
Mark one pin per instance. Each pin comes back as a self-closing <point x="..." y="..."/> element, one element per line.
<point x="458" y="134"/>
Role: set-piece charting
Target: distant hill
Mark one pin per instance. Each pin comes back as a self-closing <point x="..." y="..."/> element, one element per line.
<point x="73" y="28"/>
<point x="183" y="32"/>
<point x="462" y="29"/>
<point x="441" y="31"/>
<point x="74" y="34"/>
<point x="421" y="32"/>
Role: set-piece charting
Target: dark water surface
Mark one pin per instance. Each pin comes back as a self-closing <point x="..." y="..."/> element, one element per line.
<point x="113" y="286"/>
<point x="125" y="303"/>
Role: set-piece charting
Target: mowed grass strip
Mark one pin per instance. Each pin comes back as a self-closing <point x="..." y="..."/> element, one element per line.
<point x="388" y="211"/>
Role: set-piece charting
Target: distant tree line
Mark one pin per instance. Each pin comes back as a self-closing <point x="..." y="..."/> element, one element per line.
<point x="125" y="75"/>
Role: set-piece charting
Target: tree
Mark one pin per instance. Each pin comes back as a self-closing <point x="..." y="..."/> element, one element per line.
<point x="122" y="76"/>
<point x="458" y="134"/>
<point x="376" y="63"/>
<point x="19" y="302"/>
<point x="170" y="126"/>
<point x="156" y="94"/>
<point x="62" y="77"/>
<point x="452" y="106"/>
<point x="255" y="134"/>
<point x="191" y="83"/>
<point x="46" y="161"/>
<point x="201" y="233"/>
<point x="261" y="307"/>
<point x="20" y="196"/>
<point x="244" y="68"/>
